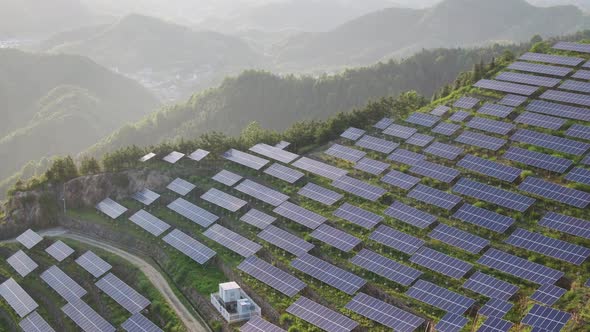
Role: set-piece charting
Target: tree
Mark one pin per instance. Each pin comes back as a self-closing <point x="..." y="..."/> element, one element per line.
<point x="89" y="166"/>
<point x="536" y="39"/>
<point x="62" y="170"/>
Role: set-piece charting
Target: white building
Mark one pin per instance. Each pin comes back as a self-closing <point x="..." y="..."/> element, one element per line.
<point x="233" y="303"/>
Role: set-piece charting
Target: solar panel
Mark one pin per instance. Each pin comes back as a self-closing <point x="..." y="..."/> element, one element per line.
<point x="377" y="144"/>
<point x="345" y="153"/>
<point x="258" y="218"/>
<point x="146" y="196"/>
<point x="577" y="86"/>
<point x="59" y="250"/>
<point x="579" y="131"/>
<point x="458" y="238"/>
<point x="495" y="308"/>
<point x="566" y="224"/>
<point x="111" y="208"/>
<point x="566" y="97"/>
<point x="359" y="188"/>
<point x="189" y="246"/>
<point x="483" y="218"/>
<point x="540" y="68"/>
<point x="353" y="133"/>
<point x="122" y="293"/>
<point x="580" y="175"/>
<point x="507" y="87"/>
<point x="441" y="263"/>
<point x="563" y="111"/>
<point x="481" y="140"/>
<point x="410" y="215"/>
<point x="440" y="110"/>
<point x="385" y="267"/>
<point x="397" y="240"/>
<point x="528" y="79"/>
<point x="282" y="145"/>
<point x="181" y="187"/>
<point x="232" y="240"/>
<point x="420" y="139"/>
<point x="245" y="159"/>
<point x="545" y="245"/>
<point x="93" y="264"/>
<point x="443" y="150"/>
<point x="571" y="46"/>
<point x="491" y="126"/>
<point x="285" y="240"/>
<point x="138" y="323"/>
<point x="538" y="159"/>
<point x="257" y="324"/>
<point x="198" y="155"/>
<point x="61" y="283"/>
<point x="512" y="100"/>
<point x="423" y="119"/>
<point x="384" y="313"/>
<point x="489" y="168"/>
<point x="519" y="267"/>
<point x="435" y="171"/>
<point x="224" y="200"/>
<point x="539" y="120"/>
<point x="319" y="168"/>
<point x="499" y="111"/>
<point x="383" y="123"/>
<point x="320" y="316"/>
<point x="406" y="157"/>
<point x="582" y="74"/>
<point x="550" y="58"/>
<point x="553" y="191"/>
<point x="149" y="222"/>
<point x="439" y="297"/>
<point x="336" y="238"/>
<point x="400" y="180"/>
<point x="435" y="197"/>
<point x="173" y="157"/>
<point x="493" y="324"/>
<point x="17" y="298"/>
<point x="466" y="102"/>
<point x="147" y="157"/>
<point x="226" y="177"/>
<point x="451" y="323"/>
<point x="22" y="263"/>
<point x="358" y="216"/>
<point x="400" y="131"/>
<point x="300" y="215"/>
<point x="35" y="323"/>
<point x="262" y="193"/>
<point x="272" y="276"/>
<point x="86" y="318"/>
<point x="493" y="195"/>
<point x="328" y="273"/>
<point x="193" y="213"/>
<point x="548" y="294"/>
<point x="545" y="318"/>
<point x="275" y="153"/>
<point x="491" y="287"/>
<point x="320" y="194"/>
<point x="371" y="166"/>
<point x="446" y="129"/>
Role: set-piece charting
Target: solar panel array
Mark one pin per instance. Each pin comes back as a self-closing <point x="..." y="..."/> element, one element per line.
<point x="300" y="215"/>
<point x="420" y="139"/>
<point x="377" y="144"/>
<point x="285" y="240"/>
<point x="146" y="196"/>
<point x="386" y="267"/>
<point x="540" y="68"/>
<point x="406" y="157"/>
<point x="466" y="102"/>
<point x="491" y="126"/>
<point x="483" y="218"/>
<point x="384" y="313"/>
<point x="440" y="110"/>
<point x="262" y="193"/>
<point x="580" y="175"/>
<point x="400" y="180"/>
<point x="60" y="282"/>
<point x="226" y="177"/>
<point x="353" y="133"/>
<point x="181" y="187"/>
<point x="440" y="297"/>
<point x="550" y="58"/>
<point x="500" y="111"/>
<point x="435" y="171"/>
<point x="192" y="248"/>
<point x="545" y="245"/>
<point x="410" y="215"/>
<point x="489" y="168"/>
<point x="512" y="100"/>
<point x="441" y="263"/>
<point x="481" y="140"/>
<point x="383" y="123"/>
<point x="17" y="298"/>
<point x="22" y="263"/>
<point x="451" y="323"/>
<point x="35" y="323"/>
<point x="193" y="213"/>
<point x="494" y="195"/>
<point x="371" y="166"/>
<point x="540" y="120"/>
<point x="86" y="318"/>
<point x="359" y="188"/>
<point x="553" y="191"/>
<point x="423" y="119"/>
<point x="397" y="240"/>
<point x="319" y="168"/>
<point x="572" y="46"/>
<point x="320" y="194"/>
<point x="93" y="264"/>
<point x="458" y="238"/>
<point x="275" y="153"/>
<point x="519" y="267"/>
<point x="528" y="79"/>
<point x="59" y="250"/>
<point x="495" y="308"/>
<point x="257" y="324"/>
<point x="111" y="208"/>
<point x="328" y="273"/>
<point x="435" y="197"/>
<point x="443" y="150"/>
<point x="173" y="157"/>
<point x="122" y="293"/>
<point x="567" y="224"/>
<point x="546" y="319"/>
<point x="579" y="131"/>
<point x="566" y="97"/>
<point x="138" y="323"/>
<point x="358" y="216"/>
<point x="577" y="86"/>
<point x="507" y="87"/>
<point x="257" y="218"/>
<point x="284" y="173"/>
<point x="224" y="200"/>
<point x="538" y="159"/>
<point x="548" y="294"/>
<point x="446" y="129"/>
<point x="149" y="222"/>
<point x="345" y="153"/>
<point x="551" y="142"/>
<point x="198" y="155"/>
<point x="559" y="110"/>
<point x="272" y="276"/>
<point x="321" y="316"/>
<point x="245" y="159"/>
<point x="582" y="74"/>
<point x="232" y="240"/>
<point x="494" y="324"/>
<point x="400" y="131"/>
<point x="336" y="238"/>
<point x="489" y="286"/>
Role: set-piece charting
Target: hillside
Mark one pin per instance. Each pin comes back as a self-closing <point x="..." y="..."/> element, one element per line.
<point x="60" y="104"/>
<point x="396" y="32"/>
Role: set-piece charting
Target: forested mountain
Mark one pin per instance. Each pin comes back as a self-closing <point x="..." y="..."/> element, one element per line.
<point x="60" y="104"/>
<point x="398" y="32"/>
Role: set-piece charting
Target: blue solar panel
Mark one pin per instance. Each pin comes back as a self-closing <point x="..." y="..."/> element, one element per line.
<point x="245" y="159"/>
<point x="435" y="171"/>
<point x="551" y="58"/>
<point x="579" y="131"/>
<point x="383" y="123"/>
<point x="566" y="97"/>
<point x="572" y="46"/>
<point x="566" y="224"/>
<point x="538" y="159"/>
<point x="493" y="195"/>
<point x="285" y="240"/>
<point x="451" y="323"/>
<point x="491" y="126"/>
<point x="262" y="193"/>
<point x="507" y="87"/>
<point x="300" y="215"/>
<point x="385" y="267"/>
<point x="272" y="276"/>
<point x="335" y="237"/>
<point x="193" y="213"/>
<point x="181" y="187"/>
<point x="559" y="110"/>
<point x="446" y="129"/>
<point x="544" y="81"/>
<point x="284" y="173"/>
<point x="320" y="316"/>
<point x="577" y="86"/>
<point x="410" y="215"/>
<point x="459" y="116"/>
<point x="353" y="133"/>
<point x="443" y="150"/>
<point x="358" y="216"/>
<point x="491" y="287"/>
<point x="435" y="197"/>
<point x="582" y="74"/>
<point x="400" y="131"/>
<point x="439" y="297"/>
<point x="223" y="200"/>
<point x="545" y="245"/>
<point x="495" y="308"/>
<point x="493" y="324"/>
<point x="458" y="238"/>
<point x="548" y="294"/>
<point x="359" y="188"/>
<point x="553" y="191"/>
<point x="345" y="153"/>
<point x="540" y="69"/>
<point x="371" y="166"/>
<point x="397" y="240"/>
<point x="580" y="175"/>
<point x="319" y="168"/>
<point x="232" y="240"/>
<point x="512" y="100"/>
<point x="423" y="119"/>
<point x="466" y="102"/>
<point x="328" y="273"/>
<point x="441" y="263"/>
<point x="483" y="218"/>
<point x="540" y="120"/>
<point x="519" y="267"/>
<point x="440" y="110"/>
<point x="546" y="319"/>
<point x="400" y="180"/>
<point x="499" y="111"/>
<point x="258" y="324"/>
<point x="481" y="140"/>
<point x="377" y="144"/>
<point x="320" y="194"/>
<point x="226" y="177"/>
<point x="489" y="168"/>
<point x="384" y="313"/>
<point x="258" y="219"/>
<point x="406" y="157"/>
<point x="420" y="139"/>
<point x="274" y="152"/>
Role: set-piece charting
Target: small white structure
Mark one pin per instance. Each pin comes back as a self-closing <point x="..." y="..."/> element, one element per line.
<point x="233" y="303"/>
